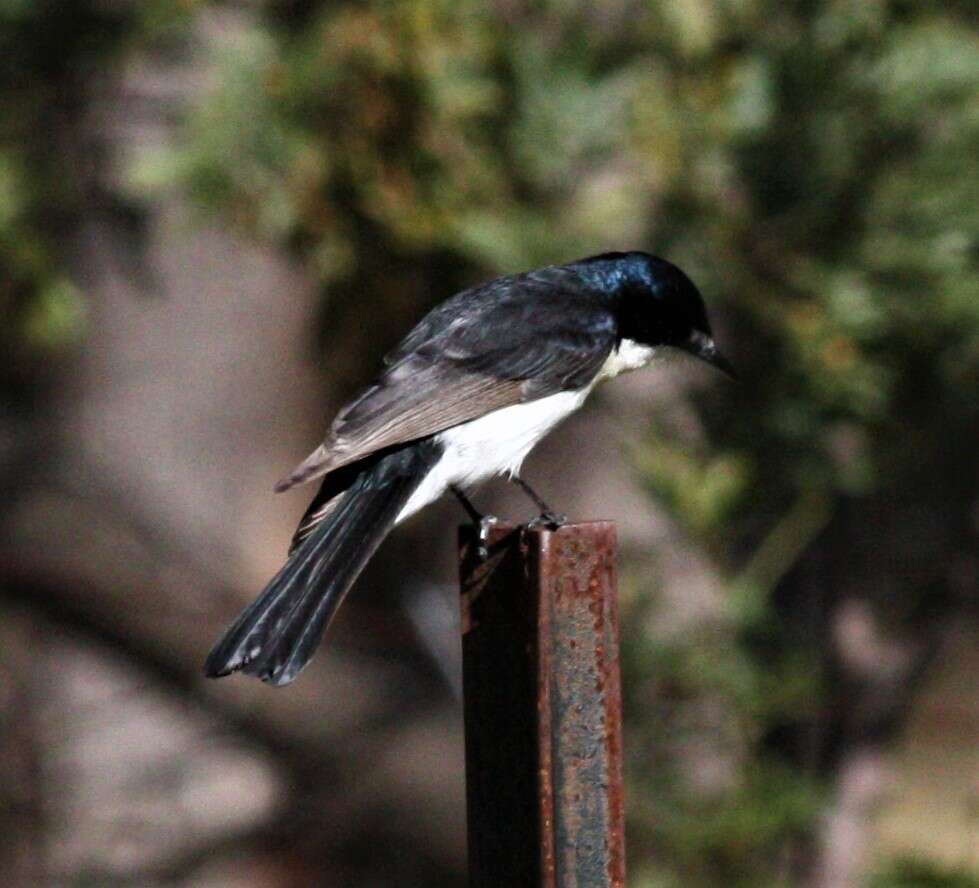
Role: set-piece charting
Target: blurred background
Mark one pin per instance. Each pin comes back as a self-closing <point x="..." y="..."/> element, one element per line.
<point x="215" y="217"/>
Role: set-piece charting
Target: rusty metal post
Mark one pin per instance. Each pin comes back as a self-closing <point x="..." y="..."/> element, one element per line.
<point x="543" y="708"/>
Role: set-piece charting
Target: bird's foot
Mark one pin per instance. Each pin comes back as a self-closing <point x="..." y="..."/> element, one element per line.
<point x="484" y="526"/>
<point x="548" y="517"/>
<point x="482" y="523"/>
<point x="549" y="520"/>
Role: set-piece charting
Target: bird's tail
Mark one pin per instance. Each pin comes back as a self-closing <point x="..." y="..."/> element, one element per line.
<point x="277" y="634"/>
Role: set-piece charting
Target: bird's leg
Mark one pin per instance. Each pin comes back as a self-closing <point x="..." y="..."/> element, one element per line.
<point x="548" y="517"/>
<point x="481" y="522"/>
<point x="474" y="514"/>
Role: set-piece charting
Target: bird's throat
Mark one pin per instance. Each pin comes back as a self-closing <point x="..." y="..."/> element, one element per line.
<point x="629" y="355"/>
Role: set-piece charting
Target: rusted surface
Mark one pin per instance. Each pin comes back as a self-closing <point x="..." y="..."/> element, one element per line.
<point x="543" y="708"/>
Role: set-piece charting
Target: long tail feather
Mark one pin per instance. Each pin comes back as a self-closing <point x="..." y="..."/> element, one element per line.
<point x="278" y="633"/>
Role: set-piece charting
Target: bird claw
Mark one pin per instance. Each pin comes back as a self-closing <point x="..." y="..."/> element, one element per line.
<point x="549" y="520"/>
<point x="484" y="524"/>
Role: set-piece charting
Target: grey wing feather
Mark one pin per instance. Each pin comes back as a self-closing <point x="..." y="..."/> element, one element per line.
<point x="408" y="404"/>
<point x="448" y="370"/>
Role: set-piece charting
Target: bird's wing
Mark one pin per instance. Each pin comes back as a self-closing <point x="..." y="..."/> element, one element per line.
<point x="455" y="367"/>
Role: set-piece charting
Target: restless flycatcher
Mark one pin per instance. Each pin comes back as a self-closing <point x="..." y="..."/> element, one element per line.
<point x="465" y="397"/>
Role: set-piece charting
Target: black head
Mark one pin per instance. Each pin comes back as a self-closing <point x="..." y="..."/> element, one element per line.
<point x="655" y="303"/>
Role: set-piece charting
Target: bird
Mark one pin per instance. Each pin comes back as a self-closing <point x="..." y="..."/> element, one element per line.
<point x="464" y="397"/>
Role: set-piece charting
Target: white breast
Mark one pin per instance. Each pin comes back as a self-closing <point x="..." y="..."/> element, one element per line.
<point x="494" y="444"/>
<point x="498" y="443"/>
<point x="629" y="355"/>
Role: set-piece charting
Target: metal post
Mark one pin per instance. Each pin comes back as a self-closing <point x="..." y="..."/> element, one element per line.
<point x="543" y="708"/>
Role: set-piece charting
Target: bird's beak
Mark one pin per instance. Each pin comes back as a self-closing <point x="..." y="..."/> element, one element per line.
<point x="703" y="347"/>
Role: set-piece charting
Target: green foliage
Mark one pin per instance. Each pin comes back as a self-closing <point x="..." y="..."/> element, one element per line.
<point x="700" y="487"/>
<point x="435" y="124"/>
<point x="710" y="803"/>
<point x="912" y="873"/>
<point x="40" y="305"/>
<point x="811" y="164"/>
<point x="777" y="150"/>
<point x="51" y="55"/>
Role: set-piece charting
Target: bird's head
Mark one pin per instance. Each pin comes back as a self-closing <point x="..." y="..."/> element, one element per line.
<point x="655" y="304"/>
